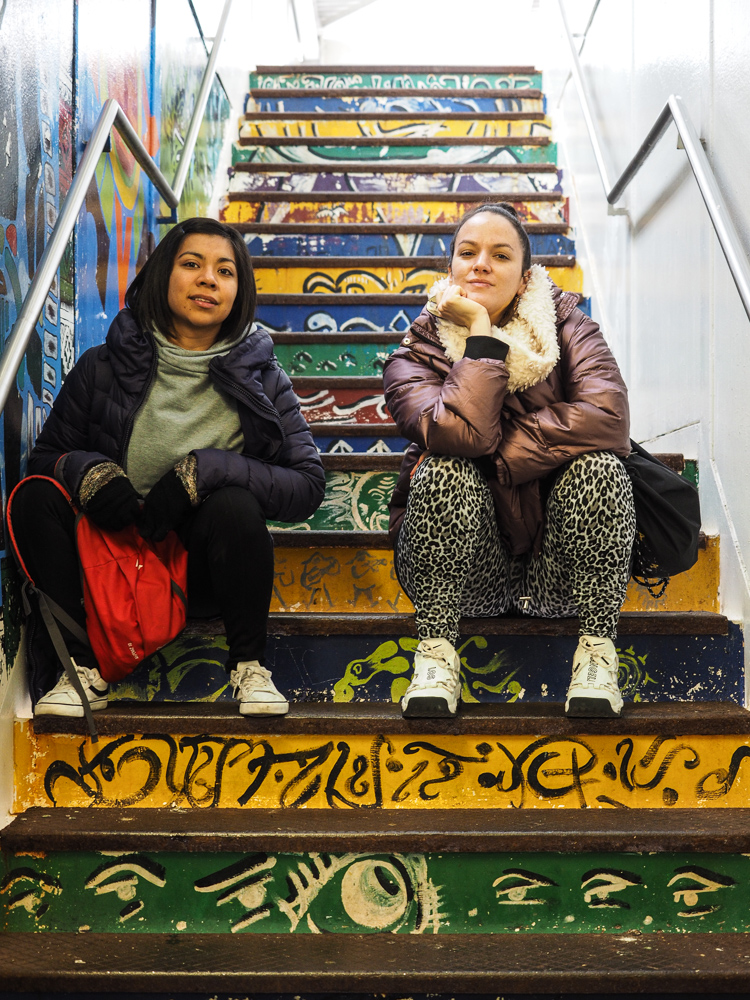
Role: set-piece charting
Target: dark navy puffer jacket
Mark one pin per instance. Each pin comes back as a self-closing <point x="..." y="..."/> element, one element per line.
<point x="92" y="420"/>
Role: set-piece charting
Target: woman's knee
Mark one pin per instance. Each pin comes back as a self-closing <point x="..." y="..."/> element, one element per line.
<point x="446" y="476"/>
<point x="36" y="501"/>
<point x="234" y="513"/>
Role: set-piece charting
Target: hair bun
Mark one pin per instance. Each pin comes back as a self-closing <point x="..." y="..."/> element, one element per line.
<point x="507" y="207"/>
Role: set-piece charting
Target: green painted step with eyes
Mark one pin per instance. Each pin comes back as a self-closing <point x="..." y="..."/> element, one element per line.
<point x="385" y="891"/>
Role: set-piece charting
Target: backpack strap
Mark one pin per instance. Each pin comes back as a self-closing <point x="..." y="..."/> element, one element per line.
<point x="52" y="613"/>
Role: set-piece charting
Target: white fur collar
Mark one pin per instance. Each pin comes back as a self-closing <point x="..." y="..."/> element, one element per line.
<point x="531" y="334"/>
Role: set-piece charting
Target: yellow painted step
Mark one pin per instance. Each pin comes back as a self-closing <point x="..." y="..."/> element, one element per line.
<point x="374" y="279"/>
<point x="392" y="128"/>
<point x="260" y="767"/>
<point x="358" y="580"/>
<point x="253" y="208"/>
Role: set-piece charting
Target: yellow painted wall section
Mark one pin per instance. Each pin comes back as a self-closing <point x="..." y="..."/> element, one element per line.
<point x="381" y="772"/>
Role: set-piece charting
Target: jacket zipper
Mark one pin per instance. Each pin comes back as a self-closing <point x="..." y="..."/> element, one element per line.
<point x="131" y="419"/>
<point x="250" y="401"/>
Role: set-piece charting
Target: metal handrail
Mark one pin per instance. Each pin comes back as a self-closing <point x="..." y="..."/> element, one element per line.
<point x="673" y="111"/>
<point x="111" y="116"/>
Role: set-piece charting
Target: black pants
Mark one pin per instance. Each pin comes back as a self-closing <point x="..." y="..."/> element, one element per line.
<point x="230" y="562"/>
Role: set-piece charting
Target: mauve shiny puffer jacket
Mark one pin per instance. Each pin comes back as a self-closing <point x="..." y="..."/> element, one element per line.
<point x="92" y="419"/>
<point x="464" y="409"/>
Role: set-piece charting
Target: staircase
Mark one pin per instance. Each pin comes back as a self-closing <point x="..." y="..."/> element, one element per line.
<point x="510" y="850"/>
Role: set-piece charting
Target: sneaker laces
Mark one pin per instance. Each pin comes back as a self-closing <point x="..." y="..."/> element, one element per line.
<point x="85" y="675"/>
<point x="251" y="678"/>
<point x="604" y="675"/>
<point x="437" y="653"/>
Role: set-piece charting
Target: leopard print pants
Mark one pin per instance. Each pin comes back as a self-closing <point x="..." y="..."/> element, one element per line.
<point x="451" y="561"/>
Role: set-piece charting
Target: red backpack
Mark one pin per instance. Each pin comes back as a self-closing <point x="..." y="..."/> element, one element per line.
<point x="134" y="594"/>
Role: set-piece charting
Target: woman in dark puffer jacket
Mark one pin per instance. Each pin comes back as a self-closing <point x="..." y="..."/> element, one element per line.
<point x="512" y="496"/>
<point x="181" y="420"/>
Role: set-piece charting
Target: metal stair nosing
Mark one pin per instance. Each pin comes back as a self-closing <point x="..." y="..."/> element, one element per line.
<point x="376" y="963"/>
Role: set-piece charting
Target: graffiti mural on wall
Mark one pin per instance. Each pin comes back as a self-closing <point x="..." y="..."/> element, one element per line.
<point x="116" y="225"/>
<point x="180" y="62"/>
<point x="35" y="173"/>
<point x="369" y="893"/>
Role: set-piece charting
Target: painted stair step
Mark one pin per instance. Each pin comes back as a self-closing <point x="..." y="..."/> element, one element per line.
<point x="368" y="657"/>
<point x="376" y="963"/>
<point x="395" y="93"/>
<point x="361" y="276"/>
<point x="384" y="242"/>
<point x="367" y="141"/>
<point x="343" y="830"/>
<point x="276" y="892"/>
<point x="388" y="127"/>
<point x="439" y="180"/>
<point x="397" y="208"/>
<point x="354" y="102"/>
<point x="173" y="877"/>
<point x="334" y="311"/>
<point x="333" y="77"/>
<point x="398" y="116"/>
<point x="337" y="577"/>
<point x="329" y="313"/>
<point x="363" y="755"/>
<point x="464" y="150"/>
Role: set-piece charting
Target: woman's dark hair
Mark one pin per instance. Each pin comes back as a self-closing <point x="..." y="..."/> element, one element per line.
<point x="507" y="212"/>
<point x="147" y="294"/>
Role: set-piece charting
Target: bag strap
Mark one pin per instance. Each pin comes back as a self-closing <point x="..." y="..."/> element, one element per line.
<point x="52" y="613"/>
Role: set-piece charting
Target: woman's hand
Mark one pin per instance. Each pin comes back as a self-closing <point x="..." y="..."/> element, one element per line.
<point x="108" y="497"/>
<point x="167" y="503"/>
<point x="454" y="305"/>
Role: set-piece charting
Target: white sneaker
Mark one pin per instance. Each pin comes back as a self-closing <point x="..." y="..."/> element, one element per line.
<point x="594" y="691"/>
<point x="255" y="691"/>
<point x="63" y="698"/>
<point x="435" y="688"/>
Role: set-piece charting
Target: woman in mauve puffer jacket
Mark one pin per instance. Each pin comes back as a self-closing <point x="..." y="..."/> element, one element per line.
<point x="512" y="496"/>
<point x="182" y="420"/>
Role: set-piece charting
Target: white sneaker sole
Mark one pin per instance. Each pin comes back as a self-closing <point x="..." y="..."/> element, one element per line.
<point x="73" y="711"/>
<point x="264" y="707"/>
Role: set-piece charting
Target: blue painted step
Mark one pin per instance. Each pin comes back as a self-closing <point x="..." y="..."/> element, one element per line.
<point x="496" y="668"/>
<point x="379" y="244"/>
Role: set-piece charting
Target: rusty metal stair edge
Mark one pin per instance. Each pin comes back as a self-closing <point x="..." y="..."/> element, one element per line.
<point x="354" y="623"/>
<point x="436" y="261"/>
<point x="320" y="719"/>
<point x="386" y="115"/>
<point x="378" y="228"/>
<point x="567" y="831"/>
<point x="493" y="93"/>
<point x="393" y="141"/>
<point x="336" y="70"/>
<point x="293" y="538"/>
<point x="391" y="167"/>
<point x="390" y="196"/>
<point x="377" y="963"/>
<point x="406" y="197"/>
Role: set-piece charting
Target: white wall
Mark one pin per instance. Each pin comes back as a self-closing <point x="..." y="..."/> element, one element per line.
<point x="661" y="287"/>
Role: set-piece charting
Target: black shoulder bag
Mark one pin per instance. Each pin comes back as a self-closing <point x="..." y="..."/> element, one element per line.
<point x="668" y="521"/>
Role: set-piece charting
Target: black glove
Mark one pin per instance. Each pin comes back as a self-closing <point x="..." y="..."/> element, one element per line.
<point x="165" y="506"/>
<point x="115" y="505"/>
